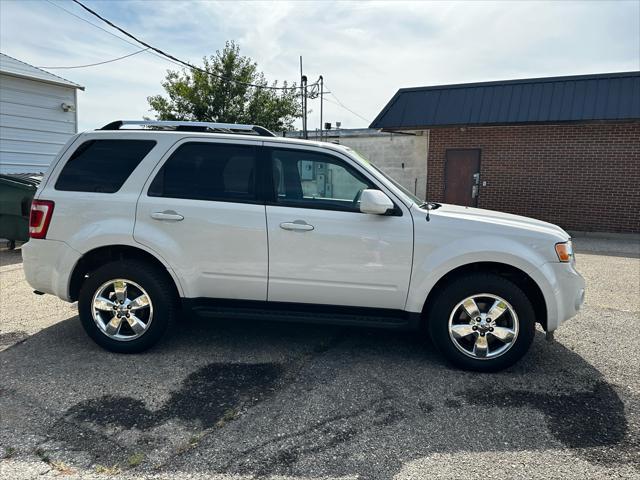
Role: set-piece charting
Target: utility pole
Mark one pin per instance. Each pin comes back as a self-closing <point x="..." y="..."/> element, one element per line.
<point x="304" y="113"/>
<point x="321" y="100"/>
<point x="303" y="100"/>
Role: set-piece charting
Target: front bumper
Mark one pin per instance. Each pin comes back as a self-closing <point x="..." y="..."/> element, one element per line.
<point x="568" y="290"/>
<point x="48" y="265"/>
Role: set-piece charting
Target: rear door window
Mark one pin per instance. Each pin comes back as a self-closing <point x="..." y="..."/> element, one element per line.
<point x="102" y="165"/>
<point x="208" y="171"/>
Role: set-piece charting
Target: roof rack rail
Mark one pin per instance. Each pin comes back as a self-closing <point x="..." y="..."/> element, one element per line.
<point x="210" y="127"/>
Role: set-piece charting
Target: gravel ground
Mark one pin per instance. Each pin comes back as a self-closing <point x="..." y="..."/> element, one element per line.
<point x="227" y="400"/>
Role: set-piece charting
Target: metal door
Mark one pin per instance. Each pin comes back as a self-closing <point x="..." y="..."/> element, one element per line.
<point x="462" y="177"/>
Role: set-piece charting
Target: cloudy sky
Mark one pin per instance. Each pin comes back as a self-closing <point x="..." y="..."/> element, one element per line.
<point x="366" y="51"/>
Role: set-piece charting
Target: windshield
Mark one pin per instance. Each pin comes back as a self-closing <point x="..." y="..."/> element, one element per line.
<point x="365" y="162"/>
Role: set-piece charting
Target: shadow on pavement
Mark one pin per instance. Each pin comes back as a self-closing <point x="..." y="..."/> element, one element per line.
<point x="10" y="257"/>
<point x="288" y="399"/>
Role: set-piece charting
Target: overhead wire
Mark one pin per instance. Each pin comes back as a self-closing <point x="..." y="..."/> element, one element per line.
<point x="100" y="63"/>
<point x="108" y="32"/>
<point x="160" y="54"/>
<point x="176" y="59"/>
<point x="91" y="23"/>
<point x="340" y="104"/>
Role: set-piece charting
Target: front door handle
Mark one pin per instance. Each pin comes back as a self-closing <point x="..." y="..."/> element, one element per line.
<point x="168" y="215"/>
<point x="297" y="225"/>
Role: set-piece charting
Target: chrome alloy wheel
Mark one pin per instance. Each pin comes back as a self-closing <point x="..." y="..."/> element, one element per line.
<point x="122" y="309"/>
<point x="483" y="326"/>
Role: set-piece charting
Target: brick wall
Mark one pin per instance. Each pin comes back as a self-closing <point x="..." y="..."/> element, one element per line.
<point x="581" y="177"/>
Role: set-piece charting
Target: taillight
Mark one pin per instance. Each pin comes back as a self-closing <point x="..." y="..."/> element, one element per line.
<point x="41" y="212"/>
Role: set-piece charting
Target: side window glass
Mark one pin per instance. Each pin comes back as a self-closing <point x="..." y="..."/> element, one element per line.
<point x="316" y="180"/>
<point x="102" y="165"/>
<point x="208" y="171"/>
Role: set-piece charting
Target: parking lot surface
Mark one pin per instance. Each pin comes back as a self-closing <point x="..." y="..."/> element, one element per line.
<point x="254" y="400"/>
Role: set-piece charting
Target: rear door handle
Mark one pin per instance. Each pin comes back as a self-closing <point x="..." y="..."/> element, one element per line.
<point x="168" y="215"/>
<point x="297" y="225"/>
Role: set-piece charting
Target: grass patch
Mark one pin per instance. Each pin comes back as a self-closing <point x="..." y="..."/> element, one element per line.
<point x="61" y="467"/>
<point x="193" y="441"/>
<point x="135" y="460"/>
<point x="227" y="416"/>
<point x="115" y="470"/>
<point x="9" y="452"/>
<point x="43" y="455"/>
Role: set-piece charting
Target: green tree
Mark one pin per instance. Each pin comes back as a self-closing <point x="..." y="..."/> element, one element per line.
<point x="193" y="95"/>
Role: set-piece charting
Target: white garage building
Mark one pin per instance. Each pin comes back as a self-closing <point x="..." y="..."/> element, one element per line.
<point x="37" y="116"/>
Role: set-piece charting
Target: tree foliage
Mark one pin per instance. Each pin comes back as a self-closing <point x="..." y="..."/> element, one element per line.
<point x="193" y="95"/>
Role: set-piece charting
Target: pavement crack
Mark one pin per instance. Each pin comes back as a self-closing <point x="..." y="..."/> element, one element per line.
<point x="278" y="454"/>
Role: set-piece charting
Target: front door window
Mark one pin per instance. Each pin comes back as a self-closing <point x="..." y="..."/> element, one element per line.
<point x="313" y="180"/>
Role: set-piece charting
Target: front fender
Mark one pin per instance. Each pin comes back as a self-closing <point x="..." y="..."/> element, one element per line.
<point x="433" y="264"/>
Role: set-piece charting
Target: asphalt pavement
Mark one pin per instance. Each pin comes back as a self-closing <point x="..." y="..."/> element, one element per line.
<point x="231" y="400"/>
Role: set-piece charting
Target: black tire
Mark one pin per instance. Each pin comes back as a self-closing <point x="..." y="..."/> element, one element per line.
<point x="157" y="284"/>
<point x="473" y="284"/>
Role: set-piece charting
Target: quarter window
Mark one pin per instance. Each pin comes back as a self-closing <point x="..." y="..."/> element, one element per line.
<point x="208" y="171"/>
<point x="314" y="180"/>
<point x="102" y="165"/>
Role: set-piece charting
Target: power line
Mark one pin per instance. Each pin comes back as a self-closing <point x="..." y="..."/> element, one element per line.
<point x="348" y="109"/>
<point x="176" y="59"/>
<point x="100" y="63"/>
<point x="91" y="23"/>
<point x="108" y="32"/>
<point x="340" y="104"/>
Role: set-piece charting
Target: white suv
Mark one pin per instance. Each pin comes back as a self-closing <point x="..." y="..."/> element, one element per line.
<point x="230" y="221"/>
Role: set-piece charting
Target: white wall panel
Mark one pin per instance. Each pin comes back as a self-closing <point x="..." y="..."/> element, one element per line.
<point x="33" y="125"/>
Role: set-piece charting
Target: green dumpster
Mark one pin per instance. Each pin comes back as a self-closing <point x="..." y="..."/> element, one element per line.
<point x="16" y="193"/>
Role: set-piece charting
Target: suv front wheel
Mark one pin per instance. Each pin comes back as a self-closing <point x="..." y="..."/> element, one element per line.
<point x="126" y="306"/>
<point x="482" y="322"/>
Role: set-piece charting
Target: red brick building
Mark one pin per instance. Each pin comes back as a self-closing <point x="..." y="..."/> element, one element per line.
<point x="564" y="149"/>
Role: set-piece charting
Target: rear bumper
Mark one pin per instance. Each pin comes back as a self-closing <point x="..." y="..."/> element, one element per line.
<point x="48" y="265"/>
<point x="568" y="291"/>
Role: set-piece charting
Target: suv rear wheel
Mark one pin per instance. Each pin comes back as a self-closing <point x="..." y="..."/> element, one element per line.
<point x="482" y="322"/>
<point x="126" y="306"/>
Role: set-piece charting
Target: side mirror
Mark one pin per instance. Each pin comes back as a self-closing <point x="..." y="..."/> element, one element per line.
<point x="375" y="202"/>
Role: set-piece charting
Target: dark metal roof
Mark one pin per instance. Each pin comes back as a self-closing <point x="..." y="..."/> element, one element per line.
<point x="580" y="98"/>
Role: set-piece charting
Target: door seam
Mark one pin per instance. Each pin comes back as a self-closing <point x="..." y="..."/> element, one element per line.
<point x="266" y="225"/>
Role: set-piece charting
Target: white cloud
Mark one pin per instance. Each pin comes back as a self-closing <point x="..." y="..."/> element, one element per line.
<point x="366" y="51"/>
